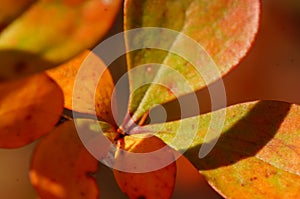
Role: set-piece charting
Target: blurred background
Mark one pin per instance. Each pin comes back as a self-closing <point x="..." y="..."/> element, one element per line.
<point x="270" y="70"/>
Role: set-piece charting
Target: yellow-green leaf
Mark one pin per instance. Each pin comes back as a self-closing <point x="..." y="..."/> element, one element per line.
<point x="257" y="154"/>
<point x="224" y="28"/>
<point x="51" y="32"/>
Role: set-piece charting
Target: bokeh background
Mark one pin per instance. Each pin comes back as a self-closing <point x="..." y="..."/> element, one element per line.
<point x="271" y="70"/>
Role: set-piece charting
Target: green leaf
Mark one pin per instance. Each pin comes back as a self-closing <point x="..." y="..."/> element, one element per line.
<point x="257" y="154"/>
<point x="51" y="32"/>
<point x="225" y="29"/>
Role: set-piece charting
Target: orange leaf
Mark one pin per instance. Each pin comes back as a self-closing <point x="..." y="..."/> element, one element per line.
<point x="65" y="76"/>
<point x="61" y="165"/>
<point x="29" y="108"/>
<point x="157" y="184"/>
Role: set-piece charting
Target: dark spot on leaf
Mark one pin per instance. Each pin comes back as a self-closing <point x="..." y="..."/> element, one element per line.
<point x="253" y="178"/>
<point x="72" y="165"/>
<point x="90" y="174"/>
<point x="166" y="184"/>
<point x="242" y="185"/>
<point x="28" y="117"/>
<point x="20" y="67"/>
<point x="82" y="194"/>
<point x="270" y="173"/>
<point x="164" y="13"/>
<point x="141" y="197"/>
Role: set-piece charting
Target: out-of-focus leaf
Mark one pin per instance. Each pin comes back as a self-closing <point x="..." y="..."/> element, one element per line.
<point x="257" y="154"/>
<point x="9" y="10"/>
<point x="53" y="31"/>
<point x="65" y="76"/>
<point x="29" y="108"/>
<point x="158" y="184"/>
<point x="224" y="28"/>
<point x="61" y="167"/>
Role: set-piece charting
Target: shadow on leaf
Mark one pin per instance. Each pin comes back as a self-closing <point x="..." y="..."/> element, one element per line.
<point x="245" y="138"/>
<point x="16" y="64"/>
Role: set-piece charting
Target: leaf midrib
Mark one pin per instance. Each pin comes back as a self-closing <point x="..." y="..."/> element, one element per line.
<point x="160" y="70"/>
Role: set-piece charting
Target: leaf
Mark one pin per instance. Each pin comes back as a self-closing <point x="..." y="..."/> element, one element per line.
<point x="52" y="32"/>
<point x="9" y="10"/>
<point x="224" y="28"/>
<point x="157" y="184"/>
<point x="29" y="108"/>
<point x="67" y="74"/>
<point x="257" y="155"/>
<point x="61" y="166"/>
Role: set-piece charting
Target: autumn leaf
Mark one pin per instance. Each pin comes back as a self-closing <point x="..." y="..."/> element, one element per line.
<point x="49" y="33"/>
<point x="9" y="10"/>
<point x="224" y="28"/>
<point x="58" y="172"/>
<point x="157" y="184"/>
<point x="66" y="76"/>
<point x="62" y="168"/>
<point x="222" y="32"/>
<point x="29" y="108"/>
<point x="140" y="185"/>
<point x="256" y="155"/>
